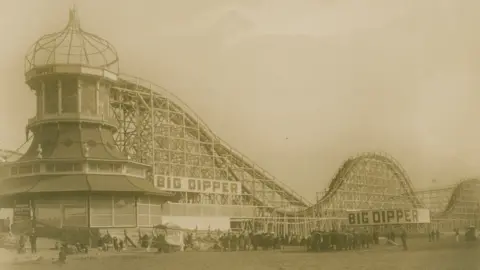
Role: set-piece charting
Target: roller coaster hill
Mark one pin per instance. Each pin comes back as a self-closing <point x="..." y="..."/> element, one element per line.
<point x="208" y="179"/>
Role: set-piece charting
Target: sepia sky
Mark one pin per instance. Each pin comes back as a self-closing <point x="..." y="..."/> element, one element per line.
<point x="297" y="86"/>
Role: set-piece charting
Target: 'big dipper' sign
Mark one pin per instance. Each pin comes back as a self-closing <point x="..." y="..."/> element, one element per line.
<point x="183" y="184"/>
<point x="390" y="216"/>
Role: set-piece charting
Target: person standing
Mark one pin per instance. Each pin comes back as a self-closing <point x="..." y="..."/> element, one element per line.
<point x="241" y="241"/>
<point x="403" y="236"/>
<point x="21" y="244"/>
<point x="457" y="235"/>
<point x="115" y="243"/>
<point x="62" y="255"/>
<point x="33" y="241"/>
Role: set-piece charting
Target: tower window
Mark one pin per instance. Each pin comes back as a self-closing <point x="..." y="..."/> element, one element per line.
<point x="51" y="96"/>
<point x="69" y="95"/>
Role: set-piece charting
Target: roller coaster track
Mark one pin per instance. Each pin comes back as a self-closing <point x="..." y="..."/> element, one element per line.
<point x="394" y="166"/>
<point x="149" y="93"/>
<point x="297" y="204"/>
<point x="341" y="177"/>
<point x="456" y="198"/>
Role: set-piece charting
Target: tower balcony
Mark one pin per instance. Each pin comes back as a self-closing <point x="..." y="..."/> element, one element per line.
<point x="42" y="71"/>
<point x="85" y="117"/>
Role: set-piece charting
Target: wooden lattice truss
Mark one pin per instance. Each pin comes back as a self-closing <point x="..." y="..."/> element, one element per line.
<point x="367" y="181"/>
<point x="156" y="128"/>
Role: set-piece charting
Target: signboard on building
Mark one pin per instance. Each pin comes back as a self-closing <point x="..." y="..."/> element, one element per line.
<point x="187" y="184"/>
<point x="21" y="216"/>
<point x="21" y="211"/>
<point x="388" y="217"/>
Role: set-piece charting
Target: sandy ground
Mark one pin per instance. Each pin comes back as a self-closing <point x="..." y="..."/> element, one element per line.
<point x="422" y="255"/>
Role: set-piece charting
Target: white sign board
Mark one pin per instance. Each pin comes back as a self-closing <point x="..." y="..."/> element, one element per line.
<point x="186" y="184"/>
<point x="388" y="216"/>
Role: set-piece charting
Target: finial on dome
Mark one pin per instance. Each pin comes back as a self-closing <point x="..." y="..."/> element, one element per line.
<point x="74" y="21"/>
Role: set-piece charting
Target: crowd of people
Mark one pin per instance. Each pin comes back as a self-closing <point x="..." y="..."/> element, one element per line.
<point x="318" y="240"/>
<point x="252" y="241"/>
<point x="230" y="241"/>
<point x="104" y="242"/>
<point x="245" y="241"/>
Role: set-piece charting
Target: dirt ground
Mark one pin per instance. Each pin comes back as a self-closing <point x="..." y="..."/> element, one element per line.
<point x="422" y="255"/>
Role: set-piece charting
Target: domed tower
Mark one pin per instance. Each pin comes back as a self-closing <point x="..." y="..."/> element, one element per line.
<point x="71" y="73"/>
<point x="73" y="175"/>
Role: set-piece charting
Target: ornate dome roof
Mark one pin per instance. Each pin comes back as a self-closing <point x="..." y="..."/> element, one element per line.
<point x="73" y="46"/>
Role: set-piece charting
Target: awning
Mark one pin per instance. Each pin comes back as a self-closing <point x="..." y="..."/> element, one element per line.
<point x="61" y="183"/>
<point x="77" y="183"/>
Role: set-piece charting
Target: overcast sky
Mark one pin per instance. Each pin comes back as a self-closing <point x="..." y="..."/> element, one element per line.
<point x="334" y="77"/>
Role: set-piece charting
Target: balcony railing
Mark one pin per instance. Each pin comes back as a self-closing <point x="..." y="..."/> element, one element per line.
<point x="108" y="120"/>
